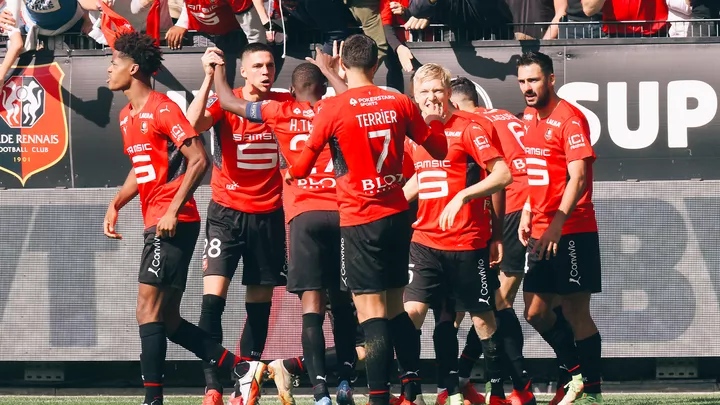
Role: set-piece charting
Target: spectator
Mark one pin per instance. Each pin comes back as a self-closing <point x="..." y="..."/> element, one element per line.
<point x="489" y="19"/>
<point x="396" y="37"/>
<point x="702" y="10"/>
<point x="526" y="13"/>
<point x="139" y="19"/>
<point x="67" y="16"/>
<point x="586" y="13"/>
<point x="175" y="7"/>
<point x="635" y="10"/>
<point x="218" y="18"/>
<point x="678" y="10"/>
<point x="367" y="13"/>
<point x="331" y="17"/>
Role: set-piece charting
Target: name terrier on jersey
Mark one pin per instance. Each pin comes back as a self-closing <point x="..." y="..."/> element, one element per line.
<point x="377" y="118"/>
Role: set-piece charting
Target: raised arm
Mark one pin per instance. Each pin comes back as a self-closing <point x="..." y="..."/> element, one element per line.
<point x="197" y="114"/>
<point x="228" y="100"/>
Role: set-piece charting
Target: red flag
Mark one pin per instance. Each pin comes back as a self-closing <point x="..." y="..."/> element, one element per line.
<point x="153" y="22"/>
<point x="109" y="19"/>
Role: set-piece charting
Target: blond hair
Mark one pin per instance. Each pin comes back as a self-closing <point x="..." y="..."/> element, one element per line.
<point x="432" y="71"/>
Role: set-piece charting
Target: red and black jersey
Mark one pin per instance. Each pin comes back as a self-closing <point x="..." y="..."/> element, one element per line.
<point x="408" y="163"/>
<point x="152" y="138"/>
<point x="366" y="128"/>
<point x="509" y="131"/>
<point x="245" y="174"/>
<point x="550" y="144"/>
<point x="291" y="121"/>
<point x="215" y="17"/>
<point x="469" y="151"/>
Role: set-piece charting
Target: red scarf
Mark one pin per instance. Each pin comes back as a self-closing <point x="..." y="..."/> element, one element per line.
<point x="109" y="19"/>
<point x="153" y="22"/>
<point x="122" y="26"/>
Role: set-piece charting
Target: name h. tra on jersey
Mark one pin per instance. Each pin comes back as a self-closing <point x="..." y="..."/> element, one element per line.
<point x="292" y="123"/>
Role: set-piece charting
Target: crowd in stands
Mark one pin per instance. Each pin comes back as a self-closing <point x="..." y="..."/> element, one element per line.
<point x="392" y="24"/>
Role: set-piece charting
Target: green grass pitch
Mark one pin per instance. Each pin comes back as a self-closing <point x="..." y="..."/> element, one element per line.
<point x="610" y="399"/>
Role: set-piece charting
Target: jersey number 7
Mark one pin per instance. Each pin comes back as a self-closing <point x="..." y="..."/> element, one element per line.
<point x="386" y="134"/>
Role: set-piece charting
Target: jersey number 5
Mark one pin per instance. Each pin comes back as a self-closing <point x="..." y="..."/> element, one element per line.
<point x="270" y="156"/>
<point x="537" y="172"/>
<point x="144" y="173"/>
<point x="439" y="187"/>
<point x="386" y="134"/>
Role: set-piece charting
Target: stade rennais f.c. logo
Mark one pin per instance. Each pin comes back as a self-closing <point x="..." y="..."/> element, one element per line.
<point x="33" y="128"/>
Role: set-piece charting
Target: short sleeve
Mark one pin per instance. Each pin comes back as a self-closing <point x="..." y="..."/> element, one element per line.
<point x="408" y="158"/>
<point x="418" y="130"/>
<point x="324" y="126"/>
<point x="477" y="144"/>
<point x="213" y="107"/>
<point x="576" y="139"/>
<point x="171" y="122"/>
<point x="263" y="112"/>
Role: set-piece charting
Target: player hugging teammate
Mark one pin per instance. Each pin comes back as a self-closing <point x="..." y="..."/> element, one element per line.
<point x="345" y="200"/>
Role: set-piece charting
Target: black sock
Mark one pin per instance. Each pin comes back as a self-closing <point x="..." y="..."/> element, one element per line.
<point x="493" y="349"/>
<point x="446" y="352"/>
<point x="560" y="338"/>
<point x="254" y="334"/>
<point x="211" y="322"/>
<point x="510" y="331"/>
<point x="470" y="354"/>
<point x="313" y="344"/>
<point x="590" y="350"/>
<point x="331" y="359"/>
<point x="153" y="343"/>
<point x="344" y="331"/>
<point x="406" y="341"/>
<point x="564" y="375"/>
<point x="378" y="360"/>
<point x="205" y="348"/>
<point x="295" y="365"/>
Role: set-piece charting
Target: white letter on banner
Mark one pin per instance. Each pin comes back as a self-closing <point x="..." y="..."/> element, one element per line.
<point x="680" y="118"/>
<point x="648" y="113"/>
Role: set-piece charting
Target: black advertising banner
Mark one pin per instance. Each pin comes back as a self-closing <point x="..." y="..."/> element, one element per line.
<point x="649" y="121"/>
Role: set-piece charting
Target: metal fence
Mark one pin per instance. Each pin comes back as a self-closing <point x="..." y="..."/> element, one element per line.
<point x="442" y="33"/>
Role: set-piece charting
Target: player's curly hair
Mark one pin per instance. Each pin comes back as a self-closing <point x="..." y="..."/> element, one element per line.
<point x="142" y="49"/>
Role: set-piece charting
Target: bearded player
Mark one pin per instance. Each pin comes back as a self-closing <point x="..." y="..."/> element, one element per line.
<point x="559" y="228"/>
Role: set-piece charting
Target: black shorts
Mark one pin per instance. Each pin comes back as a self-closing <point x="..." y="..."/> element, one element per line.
<point x="575" y="268"/>
<point x="259" y="239"/>
<point x="464" y="277"/>
<point x="375" y="255"/>
<point x="165" y="261"/>
<point x="513" y="261"/>
<point x="314" y="251"/>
